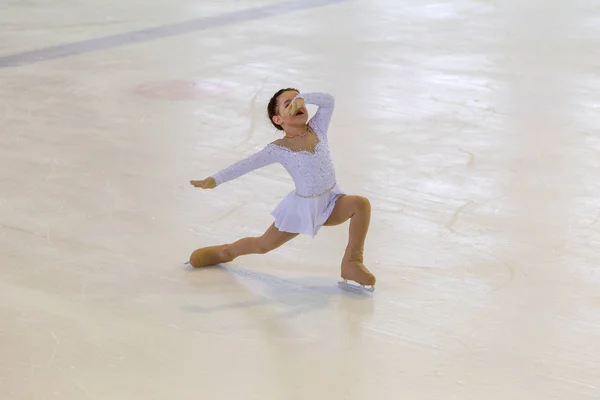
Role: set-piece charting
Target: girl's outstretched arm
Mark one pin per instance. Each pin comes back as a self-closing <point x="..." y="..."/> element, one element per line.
<point x="258" y="160"/>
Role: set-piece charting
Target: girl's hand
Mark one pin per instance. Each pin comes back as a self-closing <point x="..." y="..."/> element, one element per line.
<point x="294" y="106"/>
<point x="208" y="183"/>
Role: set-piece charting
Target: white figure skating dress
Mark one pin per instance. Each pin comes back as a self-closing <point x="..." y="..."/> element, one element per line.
<point x="305" y="209"/>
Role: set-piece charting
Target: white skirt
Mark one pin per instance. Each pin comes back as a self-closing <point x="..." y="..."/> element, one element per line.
<point x="305" y="215"/>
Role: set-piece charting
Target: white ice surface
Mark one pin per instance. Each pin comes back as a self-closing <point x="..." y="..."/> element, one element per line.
<point x="471" y="125"/>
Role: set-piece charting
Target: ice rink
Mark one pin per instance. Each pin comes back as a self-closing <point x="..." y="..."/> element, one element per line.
<point x="471" y="125"/>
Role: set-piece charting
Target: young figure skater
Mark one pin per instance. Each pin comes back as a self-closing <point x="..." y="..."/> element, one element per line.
<point x="317" y="201"/>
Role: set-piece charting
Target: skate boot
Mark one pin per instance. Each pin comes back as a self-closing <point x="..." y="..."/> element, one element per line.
<point x="353" y="269"/>
<point x="209" y="256"/>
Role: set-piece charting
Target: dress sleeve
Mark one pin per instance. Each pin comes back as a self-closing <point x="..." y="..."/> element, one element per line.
<point x="326" y="103"/>
<point x="258" y="160"/>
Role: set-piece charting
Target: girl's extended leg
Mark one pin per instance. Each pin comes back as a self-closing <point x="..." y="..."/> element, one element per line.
<point x="357" y="209"/>
<point x="270" y="240"/>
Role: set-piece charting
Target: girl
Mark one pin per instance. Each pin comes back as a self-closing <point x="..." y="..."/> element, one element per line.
<point x="304" y="153"/>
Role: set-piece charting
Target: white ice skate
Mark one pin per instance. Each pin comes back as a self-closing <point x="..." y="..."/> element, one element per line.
<point x="355" y="276"/>
<point x="355" y="286"/>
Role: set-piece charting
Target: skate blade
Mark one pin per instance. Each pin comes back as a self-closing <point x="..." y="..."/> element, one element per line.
<point x="346" y="284"/>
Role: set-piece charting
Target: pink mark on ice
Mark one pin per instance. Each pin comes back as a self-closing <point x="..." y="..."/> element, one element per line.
<point x="184" y="90"/>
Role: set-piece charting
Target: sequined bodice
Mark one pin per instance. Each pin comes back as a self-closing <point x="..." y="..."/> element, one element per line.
<point x="313" y="173"/>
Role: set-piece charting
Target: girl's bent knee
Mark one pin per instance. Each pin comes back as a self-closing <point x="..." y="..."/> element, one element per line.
<point x="363" y="203"/>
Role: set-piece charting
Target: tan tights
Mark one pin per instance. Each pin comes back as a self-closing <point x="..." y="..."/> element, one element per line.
<point x="357" y="209"/>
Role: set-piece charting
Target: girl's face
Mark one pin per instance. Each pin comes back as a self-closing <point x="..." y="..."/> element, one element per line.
<point x="298" y="119"/>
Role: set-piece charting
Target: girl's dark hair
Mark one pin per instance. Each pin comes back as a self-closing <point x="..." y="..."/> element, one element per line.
<point x="272" y="106"/>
